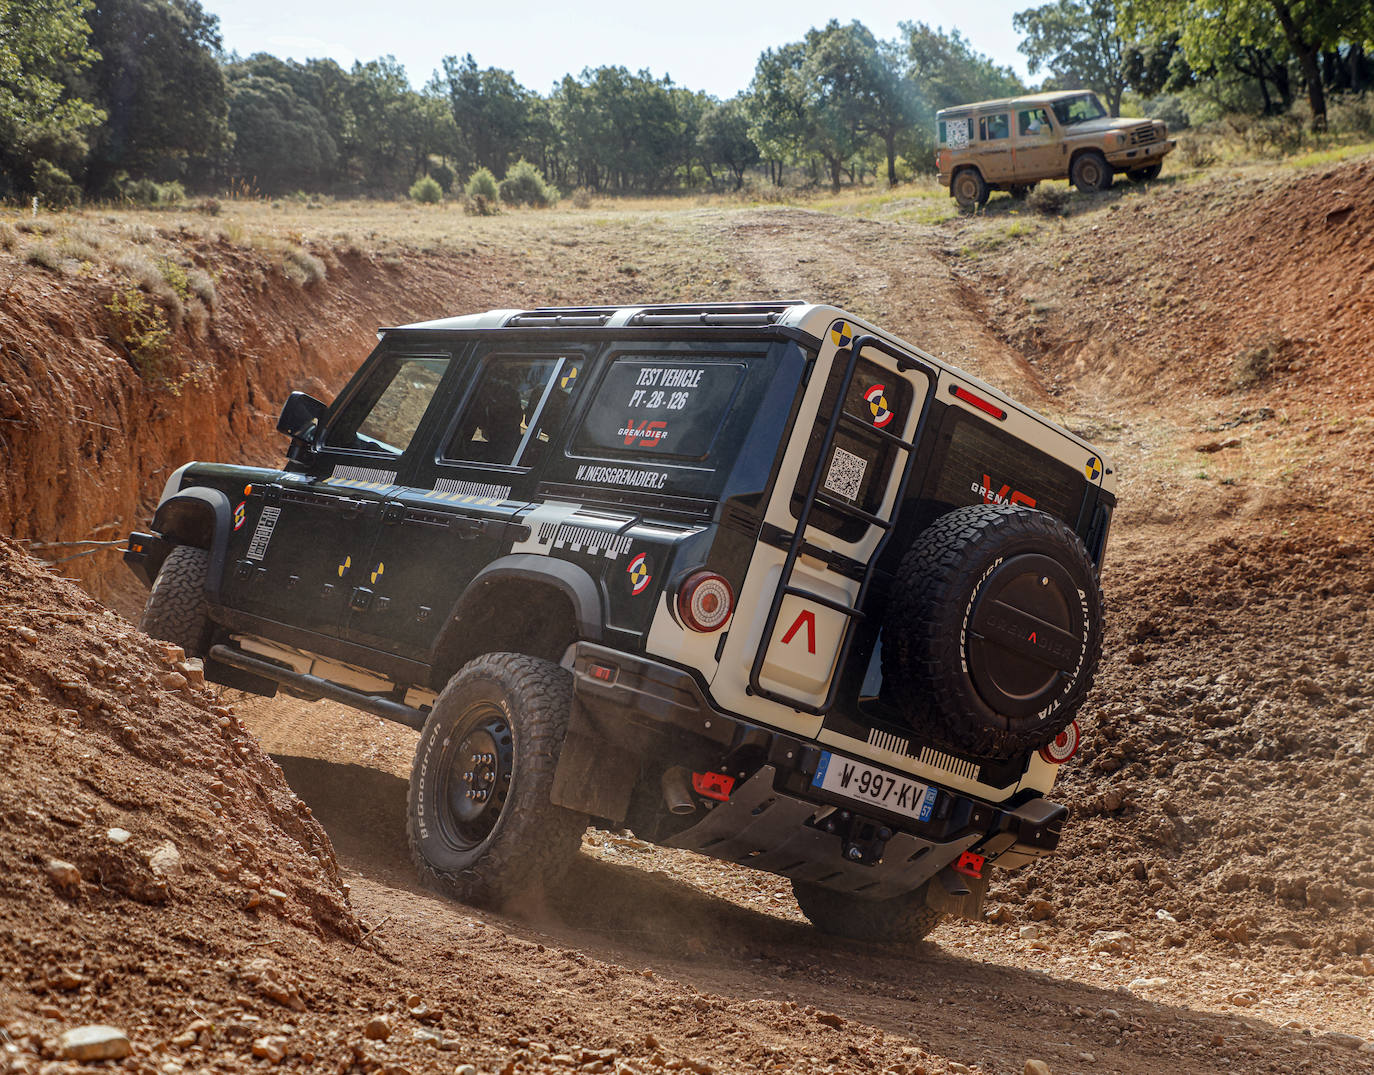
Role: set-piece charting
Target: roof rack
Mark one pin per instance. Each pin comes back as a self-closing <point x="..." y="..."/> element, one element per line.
<point x="664" y="314"/>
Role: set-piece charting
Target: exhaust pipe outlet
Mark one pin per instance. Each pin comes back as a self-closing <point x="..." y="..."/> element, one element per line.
<point x="677" y="791"/>
<point x="953" y="882"/>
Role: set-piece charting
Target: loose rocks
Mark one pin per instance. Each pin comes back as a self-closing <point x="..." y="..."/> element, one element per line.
<point x="95" y="1042"/>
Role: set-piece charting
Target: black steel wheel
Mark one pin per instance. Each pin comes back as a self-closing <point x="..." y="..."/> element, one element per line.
<point x="993" y="630"/>
<point x="176" y="608"/>
<point x="481" y="823"/>
<point x="903" y="919"/>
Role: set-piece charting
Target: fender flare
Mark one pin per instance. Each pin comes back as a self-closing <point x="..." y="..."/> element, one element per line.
<point x="182" y="519"/>
<point x="571" y="581"/>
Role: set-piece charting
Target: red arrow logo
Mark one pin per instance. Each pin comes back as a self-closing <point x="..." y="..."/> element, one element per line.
<point x="809" y="618"/>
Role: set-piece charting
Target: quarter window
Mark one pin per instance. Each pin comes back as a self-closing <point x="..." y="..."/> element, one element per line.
<point x="384" y="415"/>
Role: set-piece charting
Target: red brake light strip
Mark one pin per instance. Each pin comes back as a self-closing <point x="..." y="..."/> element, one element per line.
<point x="976" y="401"/>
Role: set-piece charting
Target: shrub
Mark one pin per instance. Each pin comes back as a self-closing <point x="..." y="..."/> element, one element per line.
<point x="444" y="176"/>
<point x="524" y="185"/>
<point x="9" y="238"/>
<point x="209" y="206"/>
<point x="302" y="268"/>
<point x="141" y="328"/>
<point x="1255" y="363"/>
<point x="1048" y="200"/>
<point x="427" y="191"/>
<point x="54" y="186"/>
<point x="43" y="256"/>
<point x="582" y="198"/>
<point x="482" y="184"/>
<point x="480" y="205"/>
<point x="1350" y="113"/>
<point x="1197" y="150"/>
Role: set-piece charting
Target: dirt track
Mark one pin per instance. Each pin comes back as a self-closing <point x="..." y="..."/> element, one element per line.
<point x="1220" y="812"/>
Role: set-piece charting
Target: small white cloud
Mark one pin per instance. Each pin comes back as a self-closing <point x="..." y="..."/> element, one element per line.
<point x="310" y="48"/>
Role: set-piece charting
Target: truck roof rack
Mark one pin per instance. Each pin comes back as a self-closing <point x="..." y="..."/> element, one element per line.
<point x="670" y="314"/>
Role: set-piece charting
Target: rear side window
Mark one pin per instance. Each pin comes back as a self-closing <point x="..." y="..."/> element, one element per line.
<point x="386" y="411"/>
<point x="517" y="406"/>
<point x="991" y="128"/>
<point x="954" y="132"/>
<point x="651" y="408"/>
<point x="860" y="462"/>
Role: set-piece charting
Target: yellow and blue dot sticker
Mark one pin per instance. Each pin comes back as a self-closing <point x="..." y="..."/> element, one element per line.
<point x="1093" y="468"/>
<point x="841" y="334"/>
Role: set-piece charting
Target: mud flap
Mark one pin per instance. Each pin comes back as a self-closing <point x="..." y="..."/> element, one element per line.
<point x="967" y="903"/>
<point x="595" y="775"/>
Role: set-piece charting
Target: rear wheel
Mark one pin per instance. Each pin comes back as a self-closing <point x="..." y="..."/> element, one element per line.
<point x="481" y="822"/>
<point x="1144" y="175"/>
<point x="993" y="630"/>
<point x="1091" y="172"/>
<point x="176" y="609"/>
<point x="903" y="919"/>
<point x="969" y="188"/>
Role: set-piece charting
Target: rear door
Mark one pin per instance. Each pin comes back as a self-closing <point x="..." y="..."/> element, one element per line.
<point x="796" y="611"/>
<point x="994" y="147"/>
<point x="457" y="506"/>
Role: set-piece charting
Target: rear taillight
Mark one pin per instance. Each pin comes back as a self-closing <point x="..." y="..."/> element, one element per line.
<point x="1064" y="746"/>
<point x="705" y="601"/>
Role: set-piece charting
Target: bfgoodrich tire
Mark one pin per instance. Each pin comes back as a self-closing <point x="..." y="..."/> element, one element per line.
<point x="480" y="820"/>
<point x="176" y="609"/>
<point x="993" y="630"/>
<point x="903" y="919"/>
<point x="969" y="188"/>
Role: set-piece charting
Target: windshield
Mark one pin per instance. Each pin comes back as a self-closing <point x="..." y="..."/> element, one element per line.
<point x="1073" y="110"/>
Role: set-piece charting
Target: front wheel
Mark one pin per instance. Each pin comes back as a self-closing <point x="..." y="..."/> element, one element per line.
<point x="1091" y="172"/>
<point x="481" y="822"/>
<point x="903" y="919"/>
<point x="176" y="608"/>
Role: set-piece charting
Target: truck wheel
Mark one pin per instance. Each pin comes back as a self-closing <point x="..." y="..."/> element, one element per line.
<point x="993" y="630"/>
<point x="903" y="919"/>
<point x="176" y="611"/>
<point x="969" y="188"/>
<point x="480" y="822"/>
<point x="1090" y="172"/>
<point x="1144" y="175"/>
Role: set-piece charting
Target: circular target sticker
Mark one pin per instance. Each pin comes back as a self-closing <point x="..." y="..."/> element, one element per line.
<point x="877" y="403"/>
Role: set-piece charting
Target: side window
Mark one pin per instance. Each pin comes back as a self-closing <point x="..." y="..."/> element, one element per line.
<point x="954" y="132"/>
<point x="384" y="414"/>
<point x="516" y="409"/>
<point x="1032" y="121"/>
<point x="993" y="127"/>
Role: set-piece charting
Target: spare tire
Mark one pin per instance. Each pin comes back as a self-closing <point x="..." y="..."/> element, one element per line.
<point x="993" y="630"/>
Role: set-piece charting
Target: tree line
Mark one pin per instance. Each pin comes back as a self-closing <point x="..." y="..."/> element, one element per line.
<point x="102" y="98"/>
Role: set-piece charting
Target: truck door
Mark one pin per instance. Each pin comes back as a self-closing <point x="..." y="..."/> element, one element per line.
<point x="305" y="549"/>
<point x="838" y="486"/>
<point x="994" y="147"/>
<point x="458" y="505"/>
<point x="1037" y="148"/>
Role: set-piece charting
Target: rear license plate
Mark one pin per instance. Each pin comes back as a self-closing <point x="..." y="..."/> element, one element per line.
<point x="869" y="784"/>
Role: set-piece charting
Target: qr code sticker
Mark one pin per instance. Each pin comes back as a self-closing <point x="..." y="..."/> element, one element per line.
<point x="956" y="133"/>
<point x="846" y="474"/>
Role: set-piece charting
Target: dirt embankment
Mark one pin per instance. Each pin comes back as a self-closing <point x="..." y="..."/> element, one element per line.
<point x="87" y="439"/>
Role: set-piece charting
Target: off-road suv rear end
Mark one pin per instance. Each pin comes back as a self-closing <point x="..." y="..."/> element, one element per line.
<point x="760" y="581"/>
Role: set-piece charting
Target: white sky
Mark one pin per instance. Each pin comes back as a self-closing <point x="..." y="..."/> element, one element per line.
<point x="707" y="45"/>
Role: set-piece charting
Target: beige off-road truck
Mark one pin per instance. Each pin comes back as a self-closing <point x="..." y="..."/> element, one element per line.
<point x="1013" y="143"/>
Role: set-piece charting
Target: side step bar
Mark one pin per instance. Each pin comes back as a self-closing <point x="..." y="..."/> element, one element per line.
<point x="368" y="703"/>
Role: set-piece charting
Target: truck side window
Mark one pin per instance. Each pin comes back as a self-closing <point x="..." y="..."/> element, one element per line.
<point x="993" y="127"/>
<point x="384" y="414"/>
<point x="1032" y="121"/>
<point x="516" y="406"/>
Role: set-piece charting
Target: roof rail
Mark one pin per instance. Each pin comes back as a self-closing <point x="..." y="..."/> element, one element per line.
<point x="663" y="314"/>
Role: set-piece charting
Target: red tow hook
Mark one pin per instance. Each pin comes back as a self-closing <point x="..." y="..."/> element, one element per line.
<point x="713" y="785"/>
<point x="970" y="864"/>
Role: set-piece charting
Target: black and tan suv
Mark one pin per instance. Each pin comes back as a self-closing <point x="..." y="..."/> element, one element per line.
<point x="757" y="580"/>
<point x="1014" y="143"/>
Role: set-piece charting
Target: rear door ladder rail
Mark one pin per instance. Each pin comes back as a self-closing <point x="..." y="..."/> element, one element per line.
<point x="852" y="613"/>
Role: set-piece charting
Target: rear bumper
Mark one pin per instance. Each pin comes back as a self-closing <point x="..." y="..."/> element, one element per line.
<point x="771" y="819"/>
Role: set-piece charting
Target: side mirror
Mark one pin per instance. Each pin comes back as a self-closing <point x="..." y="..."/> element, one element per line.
<point x="299" y="415"/>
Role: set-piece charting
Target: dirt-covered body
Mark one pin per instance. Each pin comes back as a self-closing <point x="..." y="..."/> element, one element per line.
<point x="558" y="484"/>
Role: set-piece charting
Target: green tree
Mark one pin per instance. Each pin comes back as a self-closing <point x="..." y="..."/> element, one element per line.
<point x="1079" y="43"/>
<point x="837" y="73"/>
<point x="776" y="104"/>
<point x="1210" y="30"/>
<point x="42" y="44"/>
<point x="945" y="70"/>
<point x="491" y="111"/>
<point x="724" y="139"/>
<point x="281" y="140"/>
<point x="160" y="81"/>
